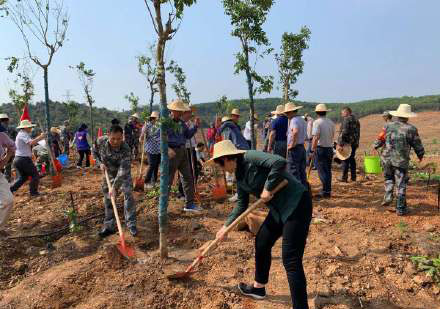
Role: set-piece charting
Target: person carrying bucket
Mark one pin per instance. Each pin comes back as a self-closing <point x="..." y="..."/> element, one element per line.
<point x="399" y="138"/>
<point x="23" y="158"/>
<point x="290" y="212"/>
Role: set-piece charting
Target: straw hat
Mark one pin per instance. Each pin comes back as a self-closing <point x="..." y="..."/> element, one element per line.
<point x="224" y="148"/>
<point x="344" y="153"/>
<point x="26" y="124"/>
<point x="404" y="111"/>
<point x="4" y="116"/>
<point x="386" y="114"/>
<point x="154" y="114"/>
<point x="188" y="108"/>
<point x="55" y="130"/>
<point x="255" y="117"/>
<point x="322" y="108"/>
<point x="225" y="118"/>
<point x="291" y="107"/>
<point x="278" y="111"/>
<point x="177" y="105"/>
<point x="135" y="115"/>
<point x="236" y="112"/>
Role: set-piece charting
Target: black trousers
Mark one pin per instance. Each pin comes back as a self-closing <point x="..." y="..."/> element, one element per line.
<point x="324" y="158"/>
<point x="294" y="232"/>
<point x="191" y="165"/>
<point x="350" y="164"/>
<point x="153" y="168"/>
<point x="25" y="168"/>
<point x="83" y="153"/>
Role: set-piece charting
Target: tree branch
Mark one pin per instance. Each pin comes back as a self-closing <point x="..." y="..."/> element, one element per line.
<point x="151" y="16"/>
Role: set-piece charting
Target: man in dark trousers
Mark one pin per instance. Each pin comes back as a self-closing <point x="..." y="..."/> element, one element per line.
<point x="349" y="134"/>
<point x="278" y="133"/>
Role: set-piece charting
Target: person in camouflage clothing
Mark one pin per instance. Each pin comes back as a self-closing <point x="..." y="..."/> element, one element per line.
<point x="12" y="133"/>
<point x="113" y="155"/>
<point x="400" y="137"/>
<point x="349" y="134"/>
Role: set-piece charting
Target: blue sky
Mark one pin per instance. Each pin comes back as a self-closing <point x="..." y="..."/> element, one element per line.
<point x="359" y="49"/>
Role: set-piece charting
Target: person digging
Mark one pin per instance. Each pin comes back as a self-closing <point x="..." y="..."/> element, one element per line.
<point x="258" y="173"/>
<point x="113" y="155"/>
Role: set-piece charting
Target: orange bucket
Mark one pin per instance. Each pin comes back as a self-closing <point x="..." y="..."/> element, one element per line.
<point x="92" y="161"/>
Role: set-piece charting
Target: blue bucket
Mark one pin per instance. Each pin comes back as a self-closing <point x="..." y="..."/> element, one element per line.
<point x="64" y="160"/>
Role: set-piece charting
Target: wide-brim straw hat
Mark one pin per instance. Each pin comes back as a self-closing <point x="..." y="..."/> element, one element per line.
<point x="404" y="111"/>
<point x="226" y="118"/>
<point x="224" y="148"/>
<point x="178" y="105"/>
<point x="291" y="107"/>
<point x="279" y="110"/>
<point x="235" y="111"/>
<point x="344" y="153"/>
<point x="322" y="108"/>
<point x="4" y="116"/>
<point x="55" y="130"/>
<point x="26" y="124"/>
<point x="135" y="115"/>
<point x="154" y="114"/>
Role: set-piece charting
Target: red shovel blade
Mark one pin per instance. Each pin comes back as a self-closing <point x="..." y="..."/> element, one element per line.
<point x="125" y="250"/>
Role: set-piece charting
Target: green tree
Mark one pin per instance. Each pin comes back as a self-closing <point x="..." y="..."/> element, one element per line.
<point x="46" y="23"/>
<point x="179" y="86"/>
<point x="86" y="77"/>
<point x="223" y="106"/>
<point x="165" y="31"/>
<point x="289" y="60"/>
<point x="134" y="102"/>
<point x="247" y="19"/>
<point x="148" y="69"/>
<point x="73" y="109"/>
<point x="23" y="81"/>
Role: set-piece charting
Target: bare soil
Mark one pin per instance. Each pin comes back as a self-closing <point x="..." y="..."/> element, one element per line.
<point x="358" y="252"/>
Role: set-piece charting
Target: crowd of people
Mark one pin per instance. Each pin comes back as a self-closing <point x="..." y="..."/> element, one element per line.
<point x="292" y="142"/>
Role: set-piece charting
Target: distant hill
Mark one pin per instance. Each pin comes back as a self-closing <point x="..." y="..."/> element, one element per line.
<point x="207" y="111"/>
<point x="361" y="109"/>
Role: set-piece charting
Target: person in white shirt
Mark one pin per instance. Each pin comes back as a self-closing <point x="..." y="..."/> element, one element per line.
<point x="323" y="139"/>
<point x="247" y="131"/>
<point x="23" y="164"/>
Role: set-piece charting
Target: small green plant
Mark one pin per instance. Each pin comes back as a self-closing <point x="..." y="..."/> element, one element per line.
<point x="153" y="193"/>
<point x="72" y="215"/>
<point x="425" y="176"/>
<point x="431" y="266"/>
<point x="402" y="227"/>
<point x="434" y="141"/>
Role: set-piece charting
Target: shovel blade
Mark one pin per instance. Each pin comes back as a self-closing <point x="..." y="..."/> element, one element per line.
<point x="139" y="185"/>
<point x="125" y="250"/>
<point x="180" y="275"/>
<point x="56" y="181"/>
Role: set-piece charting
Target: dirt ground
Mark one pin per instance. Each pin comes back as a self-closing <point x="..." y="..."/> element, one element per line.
<point x="358" y="253"/>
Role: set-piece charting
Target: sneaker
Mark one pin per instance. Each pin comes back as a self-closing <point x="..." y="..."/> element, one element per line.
<point x="249" y="290"/>
<point x="386" y="203"/>
<point x="342" y="179"/>
<point x="192" y="208"/>
<point x="321" y="196"/>
<point x="133" y="230"/>
<point x="106" y="232"/>
<point x="234" y="198"/>
<point x="78" y="167"/>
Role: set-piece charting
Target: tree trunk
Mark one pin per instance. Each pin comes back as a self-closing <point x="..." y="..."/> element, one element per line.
<point x="92" y="127"/>
<point x="46" y="100"/>
<point x="251" y="98"/>
<point x="151" y="99"/>
<point x="286" y="91"/>
<point x="164" y="164"/>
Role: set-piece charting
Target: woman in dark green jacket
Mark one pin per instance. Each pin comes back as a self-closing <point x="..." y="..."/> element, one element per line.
<point x="258" y="173"/>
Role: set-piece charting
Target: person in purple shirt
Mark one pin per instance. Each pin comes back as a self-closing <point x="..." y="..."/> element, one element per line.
<point x="82" y="145"/>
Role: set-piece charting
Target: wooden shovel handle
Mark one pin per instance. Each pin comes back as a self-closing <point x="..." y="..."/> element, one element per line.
<point x="142" y="156"/>
<point x="244" y="215"/>
<point x="112" y="198"/>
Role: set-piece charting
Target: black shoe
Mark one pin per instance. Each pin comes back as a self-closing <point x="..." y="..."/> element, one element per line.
<point x="133" y="230"/>
<point x="321" y="196"/>
<point x="342" y="179"/>
<point x="402" y="212"/>
<point x="106" y="232"/>
<point x="249" y="290"/>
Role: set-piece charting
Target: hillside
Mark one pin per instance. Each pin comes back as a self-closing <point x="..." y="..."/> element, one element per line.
<point x="361" y="109"/>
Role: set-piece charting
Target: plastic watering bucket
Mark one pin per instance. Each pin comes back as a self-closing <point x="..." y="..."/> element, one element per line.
<point x="64" y="160"/>
<point x="372" y="165"/>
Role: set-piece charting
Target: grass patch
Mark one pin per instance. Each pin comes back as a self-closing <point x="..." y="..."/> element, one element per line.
<point x="431" y="266"/>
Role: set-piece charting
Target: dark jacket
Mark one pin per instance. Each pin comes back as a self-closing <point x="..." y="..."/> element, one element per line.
<point x="350" y="131"/>
<point x="230" y="131"/>
<point x="259" y="170"/>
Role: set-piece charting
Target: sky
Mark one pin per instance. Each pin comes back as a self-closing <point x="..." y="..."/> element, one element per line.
<point x="359" y="49"/>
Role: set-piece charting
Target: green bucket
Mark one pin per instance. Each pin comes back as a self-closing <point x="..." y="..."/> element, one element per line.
<point x="372" y="165"/>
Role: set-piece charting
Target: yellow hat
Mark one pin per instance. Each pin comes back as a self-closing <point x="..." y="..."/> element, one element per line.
<point x="178" y="105"/>
<point x="55" y="130"/>
<point x="235" y="111"/>
<point x="344" y="153"/>
<point x="154" y="114"/>
<point x="224" y="148"/>
<point x="225" y="118"/>
<point x="135" y="115"/>
<point x="322" y="108"/>
<point x="278" y="111"/>
<point x="404" y="111"/>
<point x="291" y="107"/>
<point x="4" y="116"/>
<point x="26" y="124"/>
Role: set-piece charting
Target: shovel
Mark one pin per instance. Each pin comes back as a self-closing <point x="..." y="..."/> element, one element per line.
<point x="123" y="248"/>
<point x="56" y="179"/>
<point x="139" y="181"/>
<point x="190" y="270"/>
